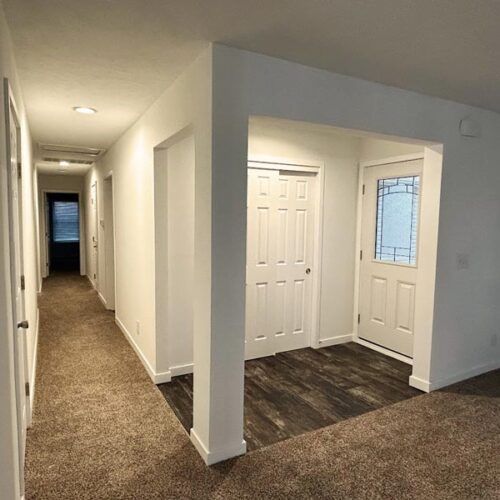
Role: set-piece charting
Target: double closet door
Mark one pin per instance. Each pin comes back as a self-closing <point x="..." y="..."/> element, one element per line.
<point x="280" y="240"/>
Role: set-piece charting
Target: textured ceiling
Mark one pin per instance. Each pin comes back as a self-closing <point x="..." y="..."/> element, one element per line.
<point x="119" y="55"/>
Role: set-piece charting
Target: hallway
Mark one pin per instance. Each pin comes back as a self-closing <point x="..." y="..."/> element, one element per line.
<point x="103" y="430"/>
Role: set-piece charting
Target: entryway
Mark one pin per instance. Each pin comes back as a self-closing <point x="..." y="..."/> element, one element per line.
<point x="63" y="232"/>
<point x="306" y="389"/>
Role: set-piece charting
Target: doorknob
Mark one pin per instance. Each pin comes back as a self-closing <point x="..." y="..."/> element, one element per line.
<point x="23" y="324"/>
<point x="308" y="270"/>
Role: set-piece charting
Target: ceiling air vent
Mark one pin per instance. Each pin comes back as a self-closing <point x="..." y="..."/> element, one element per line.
<point x="69" y="160"/>
<point x="72" y="150"/>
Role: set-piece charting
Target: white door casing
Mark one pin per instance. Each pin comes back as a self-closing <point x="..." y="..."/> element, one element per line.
<point x="95" y="229"/>
<point x="280" y="246"/>
<point x="388" y="272"/>
<point x="17" y="278"/>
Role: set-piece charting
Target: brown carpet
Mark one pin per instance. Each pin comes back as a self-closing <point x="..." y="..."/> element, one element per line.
<point x="102" y="430"/>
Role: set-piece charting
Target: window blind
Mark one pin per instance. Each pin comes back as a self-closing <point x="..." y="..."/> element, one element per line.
<point x="66" y="223"/>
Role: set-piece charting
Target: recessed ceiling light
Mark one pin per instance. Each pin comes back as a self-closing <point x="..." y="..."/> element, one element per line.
<point x="64" y="163"/>
<point x="85" y="110"/>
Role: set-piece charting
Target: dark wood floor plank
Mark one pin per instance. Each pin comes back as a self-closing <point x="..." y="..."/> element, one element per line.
<point x="299" y="391"/>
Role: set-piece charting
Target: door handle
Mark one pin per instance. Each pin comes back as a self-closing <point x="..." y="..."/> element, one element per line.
<point x="308" y="270"/>
<point x="23" y="324"/>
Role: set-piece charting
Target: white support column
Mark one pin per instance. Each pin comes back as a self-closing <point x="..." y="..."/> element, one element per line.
<point x="217" y="429"/>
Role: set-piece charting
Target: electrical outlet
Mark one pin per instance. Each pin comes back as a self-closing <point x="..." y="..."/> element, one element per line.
<point x="137" y="328"/>
<point x="462" y="261"/>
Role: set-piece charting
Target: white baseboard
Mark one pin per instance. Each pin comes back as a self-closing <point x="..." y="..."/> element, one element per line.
<point x="383" y="350"/>
<point x="419" y="383"/>
<point x="157" y="378"/>
<point x="181" y="369"/>
<point x="213" y="457"/>
<point x="91" y="282"/>
<point x="33" y="368"/>
<point x="340" y="339"/>
<point x="102" y="299"/>
<point x="458" y="377"/>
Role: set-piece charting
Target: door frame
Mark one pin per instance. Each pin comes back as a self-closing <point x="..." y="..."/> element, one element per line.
<point x="357" y="269"/>
<point x="317" y="168"/>
<point x="109" y="239"/>
<point x="21" y="376"/>
<point x="45" y="230"/>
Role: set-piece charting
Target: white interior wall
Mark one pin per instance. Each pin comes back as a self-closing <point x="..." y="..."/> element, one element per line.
<point x="63" y="183"/>
<point x="185" y="104"/>
<point x="465" y="326"/>
<point x="9" y="472"/>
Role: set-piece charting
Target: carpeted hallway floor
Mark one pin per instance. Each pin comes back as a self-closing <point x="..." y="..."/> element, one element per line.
<point x="102" y="430"/>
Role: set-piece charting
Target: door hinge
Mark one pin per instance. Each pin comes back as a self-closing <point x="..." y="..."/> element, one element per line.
<point x="361" y="255"/>
<point x="19" y="170"/>
<point x="23" y="282"/>
<point x="94" y="275"/>
<point x="27" y="389"/>
<point x="363" y="189"/>
<point x="359" y="319"/>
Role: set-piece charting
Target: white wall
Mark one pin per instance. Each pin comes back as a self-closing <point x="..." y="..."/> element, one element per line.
<point x="465" y="333"/>
<point x="377" y="149"/>
<point x="63" y="183"/>
<point x="9" y="473"/>
<point x="187" y="103"/>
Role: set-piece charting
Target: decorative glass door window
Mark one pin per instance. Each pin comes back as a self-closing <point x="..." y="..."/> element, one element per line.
<point x="397" y="220"/>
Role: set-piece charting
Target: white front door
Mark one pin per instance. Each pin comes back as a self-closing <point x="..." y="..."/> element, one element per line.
<point x="280" y="246"/>
<point x="17" y="281"/>
<point x="389" y="260"/>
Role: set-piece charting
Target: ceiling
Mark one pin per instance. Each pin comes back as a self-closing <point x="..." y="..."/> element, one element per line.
<point x="119" y="55"/>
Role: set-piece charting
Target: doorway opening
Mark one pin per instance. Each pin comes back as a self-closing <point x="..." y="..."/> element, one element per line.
<point x="323" y="203"/>
<point x="107" y="282"/>
<point x="63" y="232"/>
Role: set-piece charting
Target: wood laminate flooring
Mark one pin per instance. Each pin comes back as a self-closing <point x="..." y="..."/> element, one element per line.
<point x="300" y="391"/>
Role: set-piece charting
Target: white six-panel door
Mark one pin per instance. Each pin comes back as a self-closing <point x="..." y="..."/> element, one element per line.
<point x="389" y="261"/>
<point x="280" y="245"/>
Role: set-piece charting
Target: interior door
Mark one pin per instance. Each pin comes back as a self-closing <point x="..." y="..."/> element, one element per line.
<point x="261" y="262"/>
<point x="280" y="245"/>
<point x="17" y="278"/>
<point x="389" y="260"/>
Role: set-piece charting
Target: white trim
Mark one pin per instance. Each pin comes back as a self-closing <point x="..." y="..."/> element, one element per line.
<point x="340" y="339"/>
<point x="44" y="232"/>
<point x="102" y="299"/>
<point x="181" y="369"/>
<point x="33" y="369"/>
<point x="458" y="377"/>
<point x="316" y="167"/>
<point x="383" y="350"/>
<point x="157" y="378"/>
<point x="418" y="383"/>
<point x="392" y="159"/>
<point x="213" y="457"/>
<point x="91" y="282"/>
<point x="357" y="250"/>
<point x="303" y="165"/>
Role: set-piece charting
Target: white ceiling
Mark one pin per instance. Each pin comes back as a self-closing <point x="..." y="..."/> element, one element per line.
<point x="119" y="55"/>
